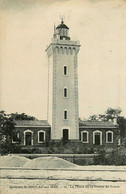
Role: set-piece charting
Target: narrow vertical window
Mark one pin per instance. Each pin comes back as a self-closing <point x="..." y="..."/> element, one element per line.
<point x="65" y="114"/>
<point x="109" y="137"/>
<point x="41" y="136"/>
<point x="65" y="70"/>
<point x="65" y="92"/>
<point x="85" y="136"/>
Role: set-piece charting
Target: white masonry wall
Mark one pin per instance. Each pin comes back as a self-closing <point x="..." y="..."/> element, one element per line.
<point x="63" y="53"/>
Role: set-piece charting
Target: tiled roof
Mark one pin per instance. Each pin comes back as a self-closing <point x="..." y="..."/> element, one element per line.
<point x="97" y="124"/>
<point x="82" y="124"/>
<point x="32" y="123"/>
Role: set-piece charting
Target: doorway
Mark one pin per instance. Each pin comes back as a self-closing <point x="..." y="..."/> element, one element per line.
<point x="97" y="138"/>
<point x="28" y="137"/>
<point x="65" y="134"/>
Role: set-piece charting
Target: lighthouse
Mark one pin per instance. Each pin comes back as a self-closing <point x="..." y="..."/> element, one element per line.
<point x="62" y="106"/>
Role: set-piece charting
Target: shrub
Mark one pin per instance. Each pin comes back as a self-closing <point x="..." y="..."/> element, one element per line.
<point x="117" y="156"/>
<point x="8" y="147"/>
<point x="124" y="142"/>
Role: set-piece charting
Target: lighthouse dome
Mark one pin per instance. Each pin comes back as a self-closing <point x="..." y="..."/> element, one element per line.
<point x="62" y="25"/>
<point x="62" y="31"/>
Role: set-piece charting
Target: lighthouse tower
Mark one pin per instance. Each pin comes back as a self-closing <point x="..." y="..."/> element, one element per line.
<point x="62" y="108"/>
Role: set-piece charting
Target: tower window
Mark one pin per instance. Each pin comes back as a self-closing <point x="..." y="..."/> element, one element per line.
<point x="65" y="92"/>
<point x="65" y="70"/>
<point x="65" y="114"/>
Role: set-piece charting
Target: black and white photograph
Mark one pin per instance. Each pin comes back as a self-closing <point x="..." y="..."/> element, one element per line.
<point x="63" y="96"/>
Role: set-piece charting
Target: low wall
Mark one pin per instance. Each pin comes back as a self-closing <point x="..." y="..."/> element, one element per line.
<point x="80" y="159"/>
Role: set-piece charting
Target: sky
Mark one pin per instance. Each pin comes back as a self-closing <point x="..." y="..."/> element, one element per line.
<point x="26" y="29"/>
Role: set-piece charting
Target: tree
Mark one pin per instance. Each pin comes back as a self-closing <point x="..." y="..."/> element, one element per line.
<point x="102" y="117"/>
<point x="112" y="113"/>
<point x="8" y="131"/>
<point x="122" y="125"/>
<point x="93" y="118"/>
<point x="7" y="127"/>
<point x="22" y="116"/>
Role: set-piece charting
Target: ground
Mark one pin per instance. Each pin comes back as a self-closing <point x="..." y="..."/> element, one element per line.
<point x="69" y="179"/>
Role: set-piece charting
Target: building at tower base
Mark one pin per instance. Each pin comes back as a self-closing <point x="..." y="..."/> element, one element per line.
<point x="37" y="133"/>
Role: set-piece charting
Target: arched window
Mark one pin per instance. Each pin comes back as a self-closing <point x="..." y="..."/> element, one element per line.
<point x="41" y="136"/>
<point x="85" y="136"/>
<point x="65" y="116"/>
<point x="109" y="137"/>
<point x="65" y="92"/>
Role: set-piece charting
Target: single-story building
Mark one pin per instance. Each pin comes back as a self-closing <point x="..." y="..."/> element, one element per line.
<point x="98" y="133"/>
<point x="32" y="132"/>
<point x="36" y="132"/>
